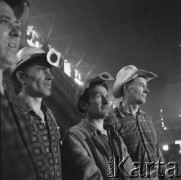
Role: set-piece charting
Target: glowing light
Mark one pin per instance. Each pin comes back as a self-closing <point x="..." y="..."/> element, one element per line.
<point x="179" y="115"/>
<point x="33" y="38"/>
<point x="161" y="110"/>
<point x="78" y="75"/>
<point x="165" y="147"/>
<point x="165" y="128"/>
<point x="161" y="119"/>
<point x="78" y="82"/>
<point x="114" y="105"/>
<point x="67" y="68"/>
<point x="110" y="103"/>
<point x="178" y="142"/>
<point x="162" y="124"/>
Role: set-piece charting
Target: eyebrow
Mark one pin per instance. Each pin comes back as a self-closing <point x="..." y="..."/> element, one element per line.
<point x="9" y="18"/>
<point x="143" y="84"/>
<point x="5" y="16"/>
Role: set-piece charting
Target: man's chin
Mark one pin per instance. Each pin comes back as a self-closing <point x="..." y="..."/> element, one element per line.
<point x="106" y="114"/>
<point x="47" y="93"/>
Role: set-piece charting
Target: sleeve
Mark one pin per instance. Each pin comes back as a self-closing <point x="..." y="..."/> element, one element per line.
<point x="76" y="162"/>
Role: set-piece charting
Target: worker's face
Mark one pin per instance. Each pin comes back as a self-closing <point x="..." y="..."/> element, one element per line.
<point x="9" y="36"/>
<point x="97" y="106"/>
<point x="137" y="91"/>
<point x="37" y="80"/>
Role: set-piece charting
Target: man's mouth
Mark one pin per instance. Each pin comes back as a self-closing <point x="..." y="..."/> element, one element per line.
<point x="48" y="85"/>
<point x="12" y="46"/>
<point x="105" y="108"/>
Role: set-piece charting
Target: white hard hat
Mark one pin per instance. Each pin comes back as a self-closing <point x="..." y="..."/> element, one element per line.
<point x="26" y="54"/>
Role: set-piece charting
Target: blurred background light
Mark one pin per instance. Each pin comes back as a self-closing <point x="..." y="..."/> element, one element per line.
<point x="165" y="147"/>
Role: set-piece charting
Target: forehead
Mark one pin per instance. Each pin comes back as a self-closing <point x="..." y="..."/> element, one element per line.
<point x="6" y="10"/>
<point x="34" y="64"/>
<point x="140" y="80"/>
<point x="98" y="89"/>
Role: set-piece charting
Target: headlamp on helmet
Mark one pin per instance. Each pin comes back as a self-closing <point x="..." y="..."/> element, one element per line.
<point x="54" y="58"/>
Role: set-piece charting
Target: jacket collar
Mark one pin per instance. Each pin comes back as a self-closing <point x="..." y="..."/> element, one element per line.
<point x="91" y="128"/>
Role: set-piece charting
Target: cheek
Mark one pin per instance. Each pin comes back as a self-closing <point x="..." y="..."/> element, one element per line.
<point x="2" y="43"/>
<point x="39" y="83"/>
<point x="94" y="105"/>
<point x="34" y="81"/>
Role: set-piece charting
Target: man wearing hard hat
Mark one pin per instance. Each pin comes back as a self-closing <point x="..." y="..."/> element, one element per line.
<point x="32" y="75"/>
<point x="135" y="126"/>
<point x="89" y="149"/>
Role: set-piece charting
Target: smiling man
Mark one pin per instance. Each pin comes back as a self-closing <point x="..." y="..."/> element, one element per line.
<point x="9" y="39"/>
<point x="135" y="126"/>
<point x="88" y="149"/>
<point x="32" y="77"/>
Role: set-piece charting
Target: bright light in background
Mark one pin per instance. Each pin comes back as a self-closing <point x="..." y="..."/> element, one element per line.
<point x="78" y="75"/>
<point x="67" y="68"/>
<point x="78" y="82"/>
<point x="165" y="147"/>
<point x="78" y="78"/>
<point x="179" y="115"/>
<point x="165" y="128"/>
<point x="33" y="38"/>
<point x="178" y="142"/>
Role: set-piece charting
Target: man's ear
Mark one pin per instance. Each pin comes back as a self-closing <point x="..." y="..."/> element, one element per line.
<point x="20" y="77"/>
<point x="124" y="89"/>
<point x="83" y="105"/>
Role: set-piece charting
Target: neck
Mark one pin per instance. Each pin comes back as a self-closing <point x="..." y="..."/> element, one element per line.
<point x="130" y="108"/>
<point x="32" y="102"/>
<point x="98" y="123"/>
<point x="1" y="82"/>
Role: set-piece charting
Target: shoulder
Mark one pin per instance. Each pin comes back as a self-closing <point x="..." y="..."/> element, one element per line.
<point x="113" y="117"/>
<point x="76" y="131"/>
<point x="145" y="115"/>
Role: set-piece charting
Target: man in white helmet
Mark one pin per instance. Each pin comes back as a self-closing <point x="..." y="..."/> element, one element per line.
<point x="135" y="126"/>
<point x="32" y="76"/>
<point x="16" y="160"/>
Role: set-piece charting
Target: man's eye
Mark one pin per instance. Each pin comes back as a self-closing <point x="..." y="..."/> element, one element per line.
<point x="4" y="21"/>
<point x="98" y="96"/>
<point x="41" y="69"/>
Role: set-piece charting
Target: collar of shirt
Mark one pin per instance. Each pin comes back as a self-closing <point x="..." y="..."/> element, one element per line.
<point x="27" y="109"/>
<point x="23" y="105"/>
<point x="90" y="127"/>
<point x="123" y="113"/>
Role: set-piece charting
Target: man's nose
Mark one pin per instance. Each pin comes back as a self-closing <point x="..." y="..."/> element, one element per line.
<point x="146" y="90"/>
<point x="105" y="100"/>
<point x="15" y="31"/>
<point x="49" y="75"/>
